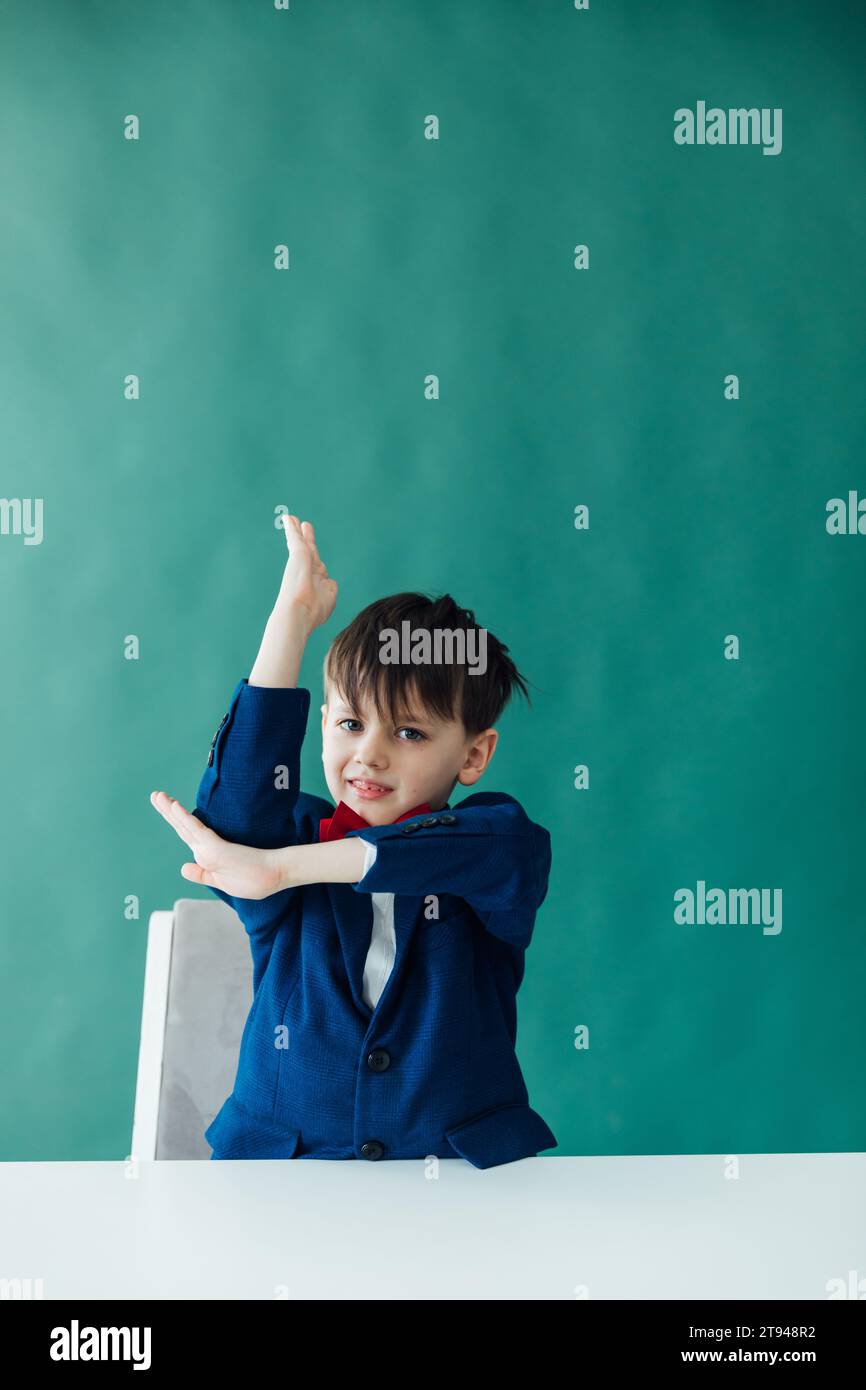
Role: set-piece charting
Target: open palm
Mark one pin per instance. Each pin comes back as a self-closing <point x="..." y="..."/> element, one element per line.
<point x="306" y="581"/>
<point x="239" y="870"/>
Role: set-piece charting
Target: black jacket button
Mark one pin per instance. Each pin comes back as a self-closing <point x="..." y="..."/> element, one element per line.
<point x="219" y="727"/>
<point x="431" y="820"/>
<point x="378" y="1059"/>
<point x="447" y="820"/>
<point x="411" y="827"/>
<point x="215" y="737"/>
<point x="372" y="1149"/>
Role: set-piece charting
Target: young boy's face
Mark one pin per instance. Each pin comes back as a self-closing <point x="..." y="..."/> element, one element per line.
<point x="383" y="769"/>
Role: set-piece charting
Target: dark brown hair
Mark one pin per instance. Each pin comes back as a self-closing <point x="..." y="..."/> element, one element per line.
<point x="445" y="689"/>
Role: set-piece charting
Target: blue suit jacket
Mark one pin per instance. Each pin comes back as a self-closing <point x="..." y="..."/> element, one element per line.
<point x="432" y="1069"/>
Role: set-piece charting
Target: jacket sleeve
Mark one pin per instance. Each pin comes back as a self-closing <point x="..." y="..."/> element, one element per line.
<point x="486" y="851"/>
<point x="250" y="785"/>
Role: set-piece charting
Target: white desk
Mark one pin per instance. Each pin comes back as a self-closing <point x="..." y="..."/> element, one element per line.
<point x="625" y="1228"/>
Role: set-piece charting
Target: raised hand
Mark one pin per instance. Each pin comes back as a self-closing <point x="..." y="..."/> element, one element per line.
<point x="305" y="580"/>
<point x="239" y="870"/>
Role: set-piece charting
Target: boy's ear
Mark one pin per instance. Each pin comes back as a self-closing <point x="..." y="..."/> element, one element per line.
<point x="479" y="757"/>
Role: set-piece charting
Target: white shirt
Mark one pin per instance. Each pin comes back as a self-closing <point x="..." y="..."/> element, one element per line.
<point x="383" y="942"/>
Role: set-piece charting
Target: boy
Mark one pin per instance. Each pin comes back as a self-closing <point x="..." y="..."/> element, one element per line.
<point x="396" y="1042"/>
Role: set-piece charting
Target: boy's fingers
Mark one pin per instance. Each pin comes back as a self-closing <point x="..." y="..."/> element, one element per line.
<point x="188" y="827"/>
<point x="160" y="802"/>
<point x="311" y="537"/>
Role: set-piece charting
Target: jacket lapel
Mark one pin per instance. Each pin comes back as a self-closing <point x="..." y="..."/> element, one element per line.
<point x="353" y="914"/>
<point x="354" y="919"/>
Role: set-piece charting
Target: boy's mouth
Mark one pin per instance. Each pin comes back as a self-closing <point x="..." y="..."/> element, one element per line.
<point x="369" y="791"/>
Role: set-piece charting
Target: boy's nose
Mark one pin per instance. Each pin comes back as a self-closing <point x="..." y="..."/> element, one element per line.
<point x="369" y="764"/>
<point x="370" y="756"/>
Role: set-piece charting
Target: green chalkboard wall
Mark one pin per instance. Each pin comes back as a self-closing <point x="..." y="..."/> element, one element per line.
<point x="693" y="378"/>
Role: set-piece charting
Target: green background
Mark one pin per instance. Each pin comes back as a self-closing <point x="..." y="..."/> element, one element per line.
<point x="305" y="388"/>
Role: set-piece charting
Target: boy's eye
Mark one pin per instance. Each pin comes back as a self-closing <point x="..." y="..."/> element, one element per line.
<point x="418" y="735"/>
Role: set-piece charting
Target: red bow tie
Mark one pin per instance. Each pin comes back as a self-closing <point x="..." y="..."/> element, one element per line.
<point x="345" y="818"/>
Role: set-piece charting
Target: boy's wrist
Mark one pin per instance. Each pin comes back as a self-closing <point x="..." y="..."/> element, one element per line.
<point x="336" y="861"/>
<point x="293" y="616"/>
<point x="283" y="860"/>
<point x="282" y="647"/>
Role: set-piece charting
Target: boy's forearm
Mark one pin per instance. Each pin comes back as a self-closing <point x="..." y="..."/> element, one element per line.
<point x="335" y="861"/>
<point x="278" y="664"/>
